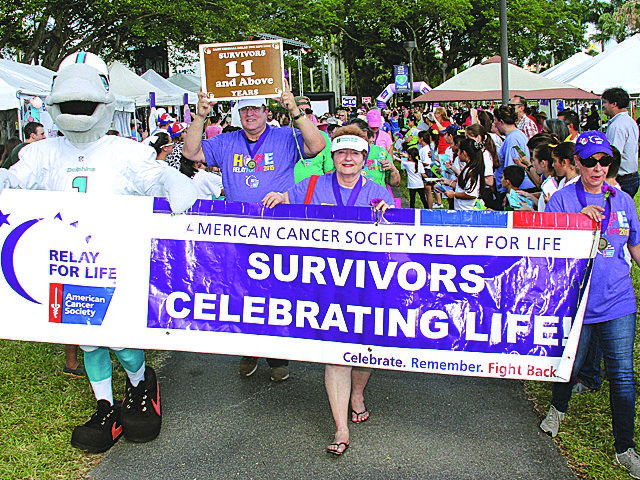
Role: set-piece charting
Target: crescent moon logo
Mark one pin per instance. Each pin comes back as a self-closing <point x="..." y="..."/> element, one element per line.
<point x="6" y="259"/>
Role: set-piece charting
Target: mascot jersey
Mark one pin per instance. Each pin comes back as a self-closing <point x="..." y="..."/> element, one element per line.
<point x="112" y="165"/>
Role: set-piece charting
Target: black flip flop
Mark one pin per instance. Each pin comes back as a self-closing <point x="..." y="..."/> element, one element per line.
<point x="357" y="414"/>
<point x="337" y="445"/>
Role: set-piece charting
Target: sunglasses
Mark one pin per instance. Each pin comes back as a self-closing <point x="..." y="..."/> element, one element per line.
<point x="591" y="161"/>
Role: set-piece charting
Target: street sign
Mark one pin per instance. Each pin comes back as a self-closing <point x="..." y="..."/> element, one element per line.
<point x="349" y="101"/>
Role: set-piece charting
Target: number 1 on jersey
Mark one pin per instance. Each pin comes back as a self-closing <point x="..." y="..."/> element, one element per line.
<point x="80" y="183"/>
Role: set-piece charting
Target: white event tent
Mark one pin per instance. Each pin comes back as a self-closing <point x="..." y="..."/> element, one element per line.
<point x="168" y="87"/>
<point x="128" y="84"/>
<point x="558" y="71"/>
<point x="616" y="67"/>
<point x="483" y="82"/>
<point x="187" y="81"/>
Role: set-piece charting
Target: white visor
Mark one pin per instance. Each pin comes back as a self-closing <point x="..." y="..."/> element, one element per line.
<point x="352" y="142"/>
<point x="252" y="102"/>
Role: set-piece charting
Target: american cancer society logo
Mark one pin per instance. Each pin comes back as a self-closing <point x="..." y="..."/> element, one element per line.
<point x="78" y="304"/>
<point x="72" y="304"/>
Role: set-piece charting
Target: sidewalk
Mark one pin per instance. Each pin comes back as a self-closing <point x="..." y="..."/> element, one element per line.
<point x="218" y="425"/>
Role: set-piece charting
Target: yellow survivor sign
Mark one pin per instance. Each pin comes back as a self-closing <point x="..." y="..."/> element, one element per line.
<point x="243" y="69"/>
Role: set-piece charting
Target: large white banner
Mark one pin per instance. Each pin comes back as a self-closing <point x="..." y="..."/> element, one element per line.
<point x="489" y="294"/>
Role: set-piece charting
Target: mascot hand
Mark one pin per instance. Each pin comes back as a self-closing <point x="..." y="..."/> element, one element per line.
<point x="179" y="190"/>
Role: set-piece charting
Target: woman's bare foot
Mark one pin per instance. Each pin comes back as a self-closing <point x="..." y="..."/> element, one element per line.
<point x="359" y="413"/>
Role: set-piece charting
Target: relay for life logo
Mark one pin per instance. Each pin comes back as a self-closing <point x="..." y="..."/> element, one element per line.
<point x="80" y="283"/>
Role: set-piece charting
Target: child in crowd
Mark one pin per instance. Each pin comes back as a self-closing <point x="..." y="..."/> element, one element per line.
<point x="564" y="164"/>
<point x="470" y="180"/>
<point x="542" y="167"/>
<point x="415" y="175"/>
<point x="477" y="132"/>
<point x="512" y="178"/>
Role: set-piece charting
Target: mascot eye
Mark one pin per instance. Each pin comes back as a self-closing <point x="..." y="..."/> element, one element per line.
<point x="53" y="81"/>
<point x="105" y="82"/>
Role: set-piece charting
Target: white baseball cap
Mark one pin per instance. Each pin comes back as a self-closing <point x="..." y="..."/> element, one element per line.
<point x="251" y="102"/>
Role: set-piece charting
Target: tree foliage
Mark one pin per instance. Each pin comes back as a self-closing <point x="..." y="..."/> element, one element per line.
<point x="368" y="34"/>
<point x="450" y="34"/>
<point x="617" y="19"/>
<point x="45" y="32"/>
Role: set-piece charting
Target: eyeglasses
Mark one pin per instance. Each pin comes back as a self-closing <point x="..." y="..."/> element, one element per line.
<point x="245" y="110"/>
<point x="591" y="161"/>
<point x="514" y="104"/>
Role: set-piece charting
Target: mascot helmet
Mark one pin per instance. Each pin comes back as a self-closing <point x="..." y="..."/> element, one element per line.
<point x="81" y="103"/>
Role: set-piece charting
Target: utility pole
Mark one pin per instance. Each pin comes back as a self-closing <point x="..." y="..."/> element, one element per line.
<point x="504" y="52"/>
<point x="410" y="46"/>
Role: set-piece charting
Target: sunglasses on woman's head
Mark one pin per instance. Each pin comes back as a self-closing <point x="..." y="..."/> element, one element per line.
<point x="591" y="161"/>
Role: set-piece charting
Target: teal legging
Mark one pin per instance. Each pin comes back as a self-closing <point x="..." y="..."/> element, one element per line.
<point x="97" y="361"/>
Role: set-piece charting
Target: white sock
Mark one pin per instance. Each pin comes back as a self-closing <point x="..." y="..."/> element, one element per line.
<point x="102" y="390"/>
<point x="136" y="377"/>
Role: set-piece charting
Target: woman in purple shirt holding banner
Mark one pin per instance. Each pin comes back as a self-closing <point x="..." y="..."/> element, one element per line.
<point x="611" y="307"/>
<point x="345" y="187"/>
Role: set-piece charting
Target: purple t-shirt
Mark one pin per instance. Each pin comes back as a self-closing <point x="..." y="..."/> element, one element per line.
<point x="323" y="193"/>
<point x="248" y="178"/>
<point x="612" y="295"/>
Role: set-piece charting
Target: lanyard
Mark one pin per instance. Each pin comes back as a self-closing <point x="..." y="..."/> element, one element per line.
<point x="256" y="146"/>
<point x="354" y="192"/>
<point x="607" y="205"/>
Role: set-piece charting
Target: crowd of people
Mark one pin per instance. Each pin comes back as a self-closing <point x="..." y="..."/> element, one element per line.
<point x="507" y="158"/>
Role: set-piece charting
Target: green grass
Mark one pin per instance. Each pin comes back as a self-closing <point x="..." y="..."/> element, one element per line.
<point x="39" y="406"/>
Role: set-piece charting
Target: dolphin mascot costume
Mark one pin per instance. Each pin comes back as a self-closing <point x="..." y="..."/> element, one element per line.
<point x="86" y="160"/>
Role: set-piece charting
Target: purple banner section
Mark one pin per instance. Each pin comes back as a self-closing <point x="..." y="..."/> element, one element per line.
<point x="517" y="305"/>
<point x="403" y="216"/>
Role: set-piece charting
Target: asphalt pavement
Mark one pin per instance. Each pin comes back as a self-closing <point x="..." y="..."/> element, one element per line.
<point x="218" y="425"/>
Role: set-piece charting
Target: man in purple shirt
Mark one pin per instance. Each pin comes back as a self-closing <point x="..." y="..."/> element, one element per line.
<point x="255" y="161"/>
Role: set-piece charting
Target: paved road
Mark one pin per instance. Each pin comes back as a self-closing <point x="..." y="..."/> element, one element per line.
<point x="218" y="425"/>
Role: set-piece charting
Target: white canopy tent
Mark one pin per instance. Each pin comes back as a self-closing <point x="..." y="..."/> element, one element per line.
<point x="23" y="80"/>
<point x="166" y="86"/>
<point x="570" y="64"/>
<point x="126" y="83"/>
<point x="187" y="81"/>
<point x="616" y="67"/>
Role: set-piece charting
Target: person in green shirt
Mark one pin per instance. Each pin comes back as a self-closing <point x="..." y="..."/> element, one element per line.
<point x="318" y="165"/>
<point x="379" y="166"/>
